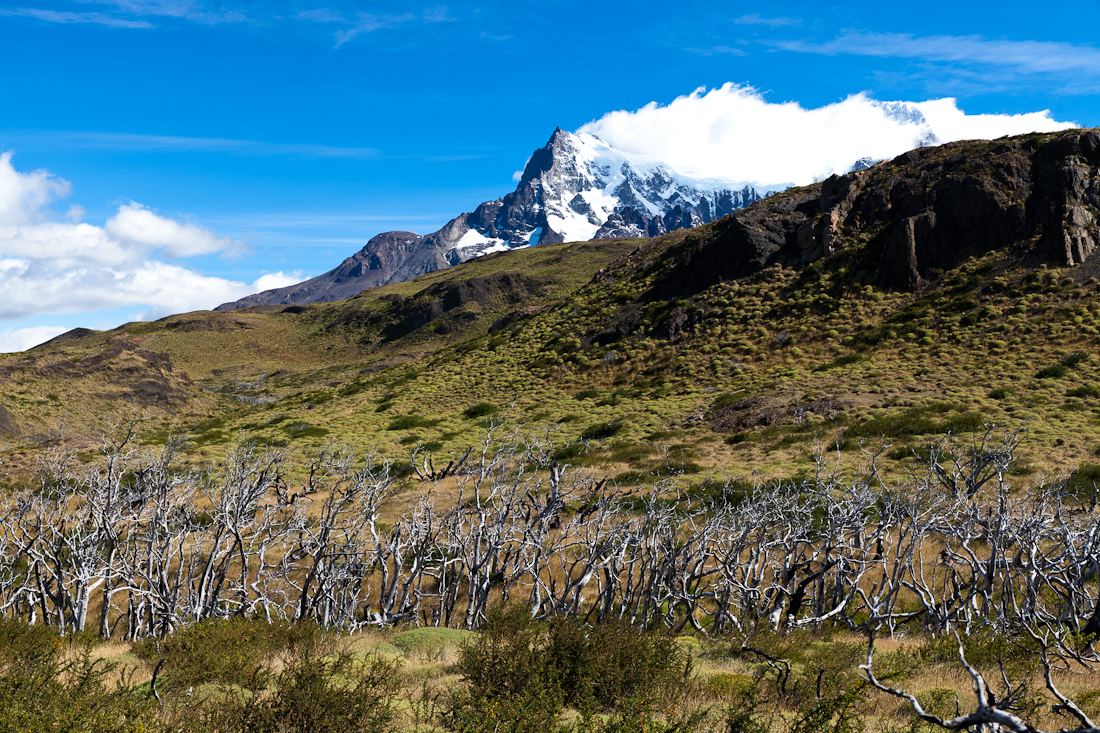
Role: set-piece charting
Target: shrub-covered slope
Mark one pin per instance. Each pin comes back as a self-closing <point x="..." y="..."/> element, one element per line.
<point x="944" y="290"/>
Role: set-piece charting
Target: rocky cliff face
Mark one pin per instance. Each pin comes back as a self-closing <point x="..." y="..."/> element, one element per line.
<point x="920" y="213"/>
<point x="573" y="189"/>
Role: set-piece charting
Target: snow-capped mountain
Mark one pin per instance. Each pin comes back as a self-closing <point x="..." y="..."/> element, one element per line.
<point x="574" y="189"/>
<point x="578" y="188"/>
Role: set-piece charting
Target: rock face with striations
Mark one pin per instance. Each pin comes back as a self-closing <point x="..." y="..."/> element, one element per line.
<point x="920" y="213"/>
<point x="573" y="189"/>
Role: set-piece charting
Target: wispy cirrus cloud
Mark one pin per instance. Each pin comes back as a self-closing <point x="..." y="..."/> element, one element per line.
<point x="170" y="143"/>
<point x="363" y="23"/>
<point x="131" y="13"/>
<point x="757" y="19"/>
<point x="730" y="50"/>
<point x="1032" y="57"/>
<point x="368" y="22"/>
<point x="193" y="10"/>
<point x="322" y="15"/>
<point x="54" y="16"/>
<point x="438" y="14"/>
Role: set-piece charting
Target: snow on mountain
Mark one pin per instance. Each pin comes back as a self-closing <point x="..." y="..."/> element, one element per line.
<point x="575" y="188"/>
<point x="572" y="187"/>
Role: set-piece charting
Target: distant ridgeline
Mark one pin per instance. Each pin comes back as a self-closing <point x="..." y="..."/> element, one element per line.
<point x="576" y="188"/>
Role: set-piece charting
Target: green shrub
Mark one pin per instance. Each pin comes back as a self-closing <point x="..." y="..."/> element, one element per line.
<point x="1062" y="366"/>
<point x="481" y="409"/>
<point x="570" y="451"/>
<point x="941" y="701"/>
<point x="726" y="685"/>
<point x="1082" y="481"/>
<point x="612" y="661"/>
<point x="919" y="421"/>
<point x="1073" y="358"/>
<point x="840" y="361"/>
<point x="985" y="650"/>
<point x="230" y="652"/>
<point x="745" y="436"/>
<point x="1054" y="371"/>
<point x="518" y="675"/>
<point x="600" y="431"/>
<point x="506" y="683"/>
<point x="338" y="694"/>
<point x="42" y="688"/>
<point x="304" y="430"/>
<point x="408" y="422"/>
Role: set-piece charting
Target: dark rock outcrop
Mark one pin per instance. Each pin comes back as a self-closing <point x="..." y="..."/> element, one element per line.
<point x="923" y="212"/>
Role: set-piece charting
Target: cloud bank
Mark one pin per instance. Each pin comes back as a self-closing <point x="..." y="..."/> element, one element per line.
<point x="733" y="133"/>
<point x="50" y="266"/>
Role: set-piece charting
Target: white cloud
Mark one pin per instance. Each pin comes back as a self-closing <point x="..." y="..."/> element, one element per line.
<point x="274" y="280"/>
<point x="23" y="196"/>
<point x="21" y="339"/>
<point x="138" y="226"/>
<point x="49" y="266"/>
<point x="732" y="132"/>
<point x="37" y="287"/>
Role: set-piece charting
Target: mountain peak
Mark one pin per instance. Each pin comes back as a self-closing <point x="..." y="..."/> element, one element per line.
<point x="573" y="189"/>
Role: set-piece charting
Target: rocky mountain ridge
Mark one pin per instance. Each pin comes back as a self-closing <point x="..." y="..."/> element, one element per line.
<point x="904" y="222"/>
<point x="575" y="188"/>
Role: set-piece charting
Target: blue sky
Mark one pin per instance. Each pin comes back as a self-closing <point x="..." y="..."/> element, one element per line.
<point x="278" y="137"/>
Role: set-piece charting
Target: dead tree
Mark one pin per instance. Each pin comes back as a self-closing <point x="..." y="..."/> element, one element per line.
<point x="994" y="714"/>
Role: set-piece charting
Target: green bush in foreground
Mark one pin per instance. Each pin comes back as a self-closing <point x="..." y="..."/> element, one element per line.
<point x="519" y="675"/>
<point x="233" y="651"/>
<point x="43" y="686"/>
<point x="603" y="664"/>
<point x="338" y="694"/>
<point x="507" y="684"/>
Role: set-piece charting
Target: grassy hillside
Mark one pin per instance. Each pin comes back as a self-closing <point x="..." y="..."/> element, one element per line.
<point x="642" y="358"/>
